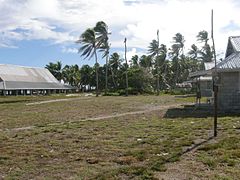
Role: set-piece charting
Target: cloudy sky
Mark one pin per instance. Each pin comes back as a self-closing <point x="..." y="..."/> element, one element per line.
<point x="35" y="32"/>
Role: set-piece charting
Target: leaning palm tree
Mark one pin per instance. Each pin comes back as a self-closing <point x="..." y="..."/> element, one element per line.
<point x="102" y="33"/>
<point x="177" y="55"/>
<point x="89" y="49"/>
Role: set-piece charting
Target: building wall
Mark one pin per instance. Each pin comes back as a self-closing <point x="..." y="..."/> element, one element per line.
<point x="206" y="88"/>
<point x="229" y="91"/>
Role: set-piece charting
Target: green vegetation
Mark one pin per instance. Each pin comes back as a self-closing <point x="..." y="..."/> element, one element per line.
<point x="64" y="145"/>
<point x="161" y="69"/>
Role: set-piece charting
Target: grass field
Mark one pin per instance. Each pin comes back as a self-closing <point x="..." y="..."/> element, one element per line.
<point x="135" y="137"/>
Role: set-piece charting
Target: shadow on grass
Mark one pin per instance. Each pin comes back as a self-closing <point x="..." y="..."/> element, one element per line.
<point x="192" y="111"/>
<point x="192" y="148"/>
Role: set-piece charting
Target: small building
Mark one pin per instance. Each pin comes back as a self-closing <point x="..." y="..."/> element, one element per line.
<point x="20" y="80"/>
<point x="228" y="76"/>
<point x="228" y="72"/>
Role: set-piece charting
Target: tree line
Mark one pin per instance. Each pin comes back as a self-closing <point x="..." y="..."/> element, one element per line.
<point x="161" y="68"/>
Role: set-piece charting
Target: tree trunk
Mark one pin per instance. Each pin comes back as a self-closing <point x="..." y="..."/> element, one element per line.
<point x="106" y="76"/>
<point x="96" y="69"/>
<point x="125" y="41"/>
<point x="113" y="79"/>
<point x="158" y="85"/>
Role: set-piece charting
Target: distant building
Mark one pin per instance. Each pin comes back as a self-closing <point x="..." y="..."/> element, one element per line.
<point x="203" y="80"/>
<point x="20" y="80"/>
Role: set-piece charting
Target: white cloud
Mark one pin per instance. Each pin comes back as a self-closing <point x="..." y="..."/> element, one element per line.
<point x="69" y="50"/>
<point x="138" y="20"/>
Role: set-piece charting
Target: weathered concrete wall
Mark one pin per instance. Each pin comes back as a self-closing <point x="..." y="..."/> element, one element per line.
<point x="229" y="91"/>
<point x="206" y="88"/>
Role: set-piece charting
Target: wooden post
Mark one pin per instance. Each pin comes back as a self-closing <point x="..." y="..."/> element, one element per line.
<point x="215" y="109"/>
<point x="215" y="88"/>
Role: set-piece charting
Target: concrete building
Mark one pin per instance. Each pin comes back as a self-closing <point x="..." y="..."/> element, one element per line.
<point x="228" y="76"/>
<point x="20" y="80"/>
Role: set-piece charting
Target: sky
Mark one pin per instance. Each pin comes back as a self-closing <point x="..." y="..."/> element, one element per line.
<point x="36" y="32"/>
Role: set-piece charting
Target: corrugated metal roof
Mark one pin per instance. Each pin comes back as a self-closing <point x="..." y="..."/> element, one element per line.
<point x="209" y="65"/>
<point x="231" y="62"/>
<point x="235" y="40"/>
<point x="26" y="74"/>
<point x="20" y="77"/>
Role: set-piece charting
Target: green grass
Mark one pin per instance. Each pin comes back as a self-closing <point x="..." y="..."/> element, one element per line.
<point x="128" y="147"/>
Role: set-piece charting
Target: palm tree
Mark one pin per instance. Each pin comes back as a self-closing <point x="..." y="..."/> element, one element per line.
<point x="145" y="61"/>
<point x="178" y="45"/>
<point x="134" y="61"/>
<point x="177" y="54"/>
<point x="114" y="63"/>
<point x="154" y="52"/>
<point x="89" y="49"/>
<point x="55" y="69"/>
<point x="102" y="33"/>
<point x="162" y="59"/>
<point x="203" y="36"/>
<point x="193" y="52"/>
<point x="71" y="75"/>
<point x="206" y="53"/>
<point x="86" y="74"/>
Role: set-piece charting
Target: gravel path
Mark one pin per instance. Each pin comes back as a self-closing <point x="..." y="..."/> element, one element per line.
<point x="56" y="100"/>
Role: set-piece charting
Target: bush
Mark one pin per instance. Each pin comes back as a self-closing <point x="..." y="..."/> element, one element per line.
<point x="111" y="94"/>
<point x="131" y="91"/>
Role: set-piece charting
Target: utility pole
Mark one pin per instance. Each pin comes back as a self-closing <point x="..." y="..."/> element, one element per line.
<point x="125" y="42"/>
<point x="215" y="78"/>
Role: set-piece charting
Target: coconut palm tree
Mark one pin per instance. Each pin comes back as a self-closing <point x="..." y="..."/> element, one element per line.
<point x="55" y="69"/>
<point x="154" y="51"/>
<point x="193" y="52"/>
<point x="114" y="64"/>
<point x="134" y="61"/>
<point x="102" y="33"/>
<point x="206" y="53"/>
<point x="177" y="54"/>
<point x="89" y="49"/>
<point x="178" y="45"/>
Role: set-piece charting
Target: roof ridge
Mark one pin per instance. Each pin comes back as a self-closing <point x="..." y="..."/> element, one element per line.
<point x="15" y="65"/>
<point x="234" y="36"/>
